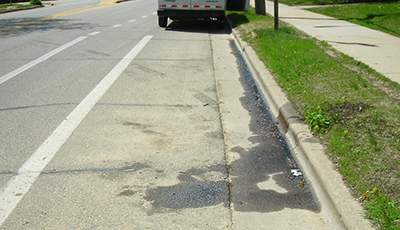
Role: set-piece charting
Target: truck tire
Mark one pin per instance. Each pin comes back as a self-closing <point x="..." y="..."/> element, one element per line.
<point x="221" y="24"/>
<point x="162" y="21"/>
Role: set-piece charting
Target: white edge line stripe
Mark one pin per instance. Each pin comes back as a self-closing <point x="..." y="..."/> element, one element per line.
<point x="39" y="60"/>
<point x="94" y="33"/>
<point x="20" y="184"/>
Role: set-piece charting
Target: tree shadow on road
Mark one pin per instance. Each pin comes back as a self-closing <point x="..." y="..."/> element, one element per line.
<point x="20" y="26"/>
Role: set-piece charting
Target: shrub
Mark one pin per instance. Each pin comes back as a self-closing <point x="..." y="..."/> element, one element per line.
<point x="36" y="2"/>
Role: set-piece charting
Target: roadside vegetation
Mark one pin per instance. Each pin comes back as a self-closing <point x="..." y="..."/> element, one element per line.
<point x="354" y="110"/>
<point x="379" y="16"/>
<point x="15" y="5"/>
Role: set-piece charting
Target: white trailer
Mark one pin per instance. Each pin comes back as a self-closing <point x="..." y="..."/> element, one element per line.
<point x="198" y="10"/>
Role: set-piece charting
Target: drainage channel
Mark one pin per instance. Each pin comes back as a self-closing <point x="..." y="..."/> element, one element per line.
<point x="265" y="177"/>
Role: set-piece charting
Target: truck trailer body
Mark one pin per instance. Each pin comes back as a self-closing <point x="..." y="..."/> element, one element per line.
<point x="198" y="10"/>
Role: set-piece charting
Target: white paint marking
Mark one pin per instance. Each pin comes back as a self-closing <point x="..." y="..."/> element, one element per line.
<point x="145" y="16"/>
<point x="115" y="26"/>
<point x="20" y="184"/>
<point x="154" y="12"/>
<point x="39" y="60"/>
<point x="94" y="33"/>
<point x="133" y="20"/>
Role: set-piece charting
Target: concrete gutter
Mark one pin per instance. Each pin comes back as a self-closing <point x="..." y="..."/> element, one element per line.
<point x="338" y="207"/>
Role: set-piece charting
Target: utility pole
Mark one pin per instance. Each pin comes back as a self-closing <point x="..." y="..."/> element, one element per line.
<point x="260" y="7"/>
<point x="276" y="15"/>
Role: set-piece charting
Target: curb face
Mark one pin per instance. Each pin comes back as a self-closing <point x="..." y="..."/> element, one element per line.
<point x="338" y="207"/>
<point x="21" y="9"/>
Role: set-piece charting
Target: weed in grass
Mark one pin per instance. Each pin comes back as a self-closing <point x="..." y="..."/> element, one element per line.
<point x="318" y="121"/>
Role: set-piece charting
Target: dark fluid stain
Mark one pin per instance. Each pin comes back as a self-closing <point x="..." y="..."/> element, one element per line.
<point x="127" y="192"/>
<point x="271" y="159"/>
<point x="189" y="193"/>
<point x="135" y="125"/>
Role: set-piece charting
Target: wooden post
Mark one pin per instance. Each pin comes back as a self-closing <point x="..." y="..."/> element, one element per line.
<point x="276" y="15"/>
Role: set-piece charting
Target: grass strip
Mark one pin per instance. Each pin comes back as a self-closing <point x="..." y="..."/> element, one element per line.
<point x="384" y="17"/>
<point x="354" y="110"/>
<point x="11" y="7"/>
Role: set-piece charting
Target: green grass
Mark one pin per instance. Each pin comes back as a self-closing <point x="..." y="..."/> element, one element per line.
<point x="15" y="6"/>
<point x="379" y="16"/>
<point x="351" y="108"/>
<point x="328" y="2"/>
<point x="9" y="7"/>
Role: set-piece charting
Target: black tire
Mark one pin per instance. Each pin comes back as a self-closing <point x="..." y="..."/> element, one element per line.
<point x="162" y="21"/>
<point x="221" y="25"/>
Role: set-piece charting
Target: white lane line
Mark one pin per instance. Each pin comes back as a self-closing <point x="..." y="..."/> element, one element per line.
<point x="20" y="184"/>
<point x="39" y="60"/>
<point x="133" y="20"/>
<point x="115" y="26"/>
<point x="94" y="33"/>
<point x="144" y="16"/>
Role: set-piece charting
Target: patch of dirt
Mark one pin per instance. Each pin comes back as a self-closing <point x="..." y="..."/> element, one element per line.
<point x="347" y="111"/>
<point x="11" y="8"/>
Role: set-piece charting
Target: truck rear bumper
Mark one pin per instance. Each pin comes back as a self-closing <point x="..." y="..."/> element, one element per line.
<point x="191" y="13"/>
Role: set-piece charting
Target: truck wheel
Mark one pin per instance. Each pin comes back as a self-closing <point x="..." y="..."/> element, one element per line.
<point x="162" y="21"/>
<point x="221" y="25"/>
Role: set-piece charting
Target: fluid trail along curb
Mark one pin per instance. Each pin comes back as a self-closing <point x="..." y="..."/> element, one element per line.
<point x="338" y="207"/>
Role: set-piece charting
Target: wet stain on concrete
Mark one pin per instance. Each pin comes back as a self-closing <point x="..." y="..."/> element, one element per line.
<point x="127" y="192"/>
<point x="215" y="135"/>
<point x="206" y="100"/>
<point x="270" y="159"/>
<point x="151" y="132"/>
<point x="135" y="125"/>
<point x="150" y="70"/>
<point x="189" y="193"/>
<point x="135" y="167"/>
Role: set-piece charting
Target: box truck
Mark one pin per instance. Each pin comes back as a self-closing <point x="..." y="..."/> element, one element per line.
<point x="198" y="10"/>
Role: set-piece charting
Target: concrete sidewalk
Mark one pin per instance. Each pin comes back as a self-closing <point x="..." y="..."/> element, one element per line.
<point x="379" y="50"/>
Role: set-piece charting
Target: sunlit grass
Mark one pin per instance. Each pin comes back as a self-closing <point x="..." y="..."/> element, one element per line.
<point x="379" y="16"/>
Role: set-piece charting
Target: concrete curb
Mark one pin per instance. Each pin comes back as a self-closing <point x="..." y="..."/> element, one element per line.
<point x="14" y="10"/>
<point x="338" y="207"/>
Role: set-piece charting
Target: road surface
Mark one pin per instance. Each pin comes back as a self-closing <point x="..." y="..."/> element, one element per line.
<point x="109" y="122"/>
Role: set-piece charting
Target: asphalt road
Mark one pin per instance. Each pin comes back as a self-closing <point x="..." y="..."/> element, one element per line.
<point x="109" y="122"/>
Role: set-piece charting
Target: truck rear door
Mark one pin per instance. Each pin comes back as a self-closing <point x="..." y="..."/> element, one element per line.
<point x="208" y="4"/>
<point x="174" y="4"/>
